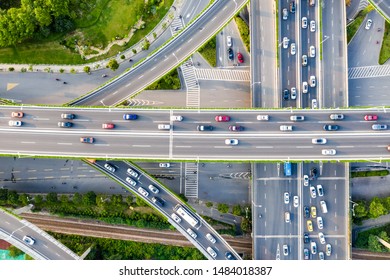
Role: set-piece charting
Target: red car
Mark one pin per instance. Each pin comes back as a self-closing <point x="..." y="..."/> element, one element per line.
<point x="240" y="58"/>
<point x="108" y="125"/>
<point x="370" y="117"/>
<point x="222" y="118"/>
<point x="17" y="115"/>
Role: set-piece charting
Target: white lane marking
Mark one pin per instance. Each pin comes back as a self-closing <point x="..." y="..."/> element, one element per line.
<point x="24" y="142"/>
<point x="65" y="143"/>
<point x="304" y="147"/>
<point x="115" y="92"/>
<point x="141" y="146"/>
<point x="41" y="119"/>
<point x="183" y="146"/>
<point x="105" y="145"/>
<point x="140" y="77"/>
<point x="264" y="147"/>
<point x="128" y="85"/>
<point x="345" y="146"/>
<point x="223" y="147"/>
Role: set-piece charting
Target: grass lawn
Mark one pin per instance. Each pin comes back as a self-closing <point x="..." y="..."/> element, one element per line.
<point x="209" y="51"/>
<point x="106" y="20"/>
<point x="354" y="26"/>
<point x="385" y="50"/>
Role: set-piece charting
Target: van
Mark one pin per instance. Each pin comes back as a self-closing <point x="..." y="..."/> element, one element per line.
<point x="286" y="128"/>
<point x="164" y="126"/>
<point x="192" y="233"/>
<point x="324" y="209"/>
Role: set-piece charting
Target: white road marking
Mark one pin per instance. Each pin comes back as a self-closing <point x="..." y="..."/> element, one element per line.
<point x="65" y="143"/>
<point x="23" y="142"/>
<point x="141" y="146"/>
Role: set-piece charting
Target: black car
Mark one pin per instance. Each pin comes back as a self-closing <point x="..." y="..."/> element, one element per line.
<point x="236" y="128"/>
<point x="204" y="127"/>
<point x="286" y="94"/>
<point x="314" y="173"/>
<point x="307" y="212"/>
<point x="65" y="124"/>
<point x="306" y="238"/>
<point x="330" y="127"/>
<point x="158" y="201"/>
<point x="230" y="53"/>
<point x="229" y="256"/>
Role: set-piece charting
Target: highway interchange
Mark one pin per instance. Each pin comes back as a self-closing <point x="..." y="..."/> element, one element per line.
<point x="260" y="140"/>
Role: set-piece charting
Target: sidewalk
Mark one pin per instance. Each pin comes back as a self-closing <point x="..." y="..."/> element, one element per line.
<point x="98" y="65"/>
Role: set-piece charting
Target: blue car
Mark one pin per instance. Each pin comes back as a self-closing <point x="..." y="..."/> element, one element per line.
<point x="130" y="117"/>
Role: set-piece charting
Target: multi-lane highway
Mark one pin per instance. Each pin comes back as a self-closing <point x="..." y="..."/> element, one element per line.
<point x="194" y="228"/>
<point x="167" y="58"/>
<point x="141" y="138"/>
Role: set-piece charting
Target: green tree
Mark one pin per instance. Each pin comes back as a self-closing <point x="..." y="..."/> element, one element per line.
<point x="3" y="195"/>
<point x="129" y="200"/>
<point x="386" y="203"/>
<point x="52" y="197"/>
<point x="14" y="252"/>
<point x="38" y="199"/>
<point x="113" y="64"/>
<point x="376" y="208"/>
<point x="77" y="199"/>
<point x="373" y="244"/>
<point x="223" y="208"/>
<point x="145" y="44"/>
<point x="246" y="225"/>
<point x="24" y="199"/>
<point x="209" y="204"/>
<point x="384" y="236"/>
<point x="361" y="210"/>
<point x="140" y="202"/>
<point x="237" y="210"/>
<point x="13" y="197"/>
<point x="89" y="198"/>
<point x="64" y="199"/>
<point x="87" y="69"/>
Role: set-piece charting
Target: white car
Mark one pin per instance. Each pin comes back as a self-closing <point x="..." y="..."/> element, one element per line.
<point x="285" y="42"/>
<point x="229" y="41"/>
<point x="305" y="87"/>
<point x="293" y="49"/>
<point x="368" y="24"/>
<point x="305" y="180"/>
<point x="328" y="249"/>
<point x="320" y="223"/>
<point x="313" y="192"/>
<point x="312" y="81"/>
<point x="192" y="233"/>
<point x="313" y="247"/>
<point x="262" y="117"/>
<point x="312" y="51"/>
<point x="131" y="172"/>
<point x="312" y="26"/>
<point x="164" y="126"/>
<point x="142" y="191"/>
<point x="231" y="142"/>
<point x="304" y="22"/>
<point x="318" y="141"/>
<point x="15" y="123"/>
<point x="211" y="252"/>
<point x="304" y="60"/>
<point x="320" y="190"/>
<point x="321" y="236"/>
<point x="29" y="240"/>
<point x="285" y="249"/>
<point x="176" y="218"/>
<point x="176" y="118"/>
<point x="293" y="93"/>
<point x="164" y="165"/>
<point x="286" y="198"/>
<point x="329" y="152"/>
<point x="153" y="189"/>
<point x="296" y="201"/>
<point x="321" y="256"/>
<point x="109" y="167"/>
<point x="314" y="104"/>
<point x="285" y="14"/>
<point x="211" y="238"/>
<point x="131" y="181"/>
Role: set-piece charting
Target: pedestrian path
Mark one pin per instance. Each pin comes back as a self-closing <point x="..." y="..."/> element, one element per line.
<point x="191" y="83"/>
<point x="191" y="180"/>
<point x="368" y="71"/>
<point x="222" y="74"/>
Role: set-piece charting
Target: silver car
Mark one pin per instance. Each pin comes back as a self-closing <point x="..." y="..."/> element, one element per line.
<point x="379" y="126"/>
<point x="304" y="22"/>
<point x="312" y="51"/>
<point x="142" y="191"/>
<point x="109" y="167"/>
<point x="131" y="181"/>
<point x="312" y="26"/>
<point x="131" y="172"/>
<point x="318" y="141"/>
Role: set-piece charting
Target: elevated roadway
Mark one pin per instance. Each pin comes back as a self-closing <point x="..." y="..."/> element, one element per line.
<point x="260" y="140"/>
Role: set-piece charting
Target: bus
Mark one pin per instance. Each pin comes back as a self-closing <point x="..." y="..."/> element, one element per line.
<point x="186" y="215"/>
<point x="287" y="169"/>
